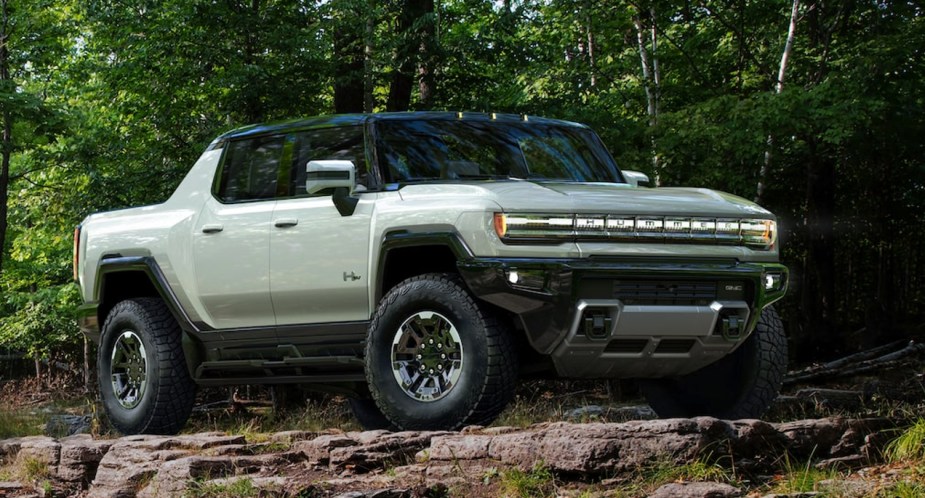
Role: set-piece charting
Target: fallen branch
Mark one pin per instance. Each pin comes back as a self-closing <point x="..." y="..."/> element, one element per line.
<point x="857" y="363"/>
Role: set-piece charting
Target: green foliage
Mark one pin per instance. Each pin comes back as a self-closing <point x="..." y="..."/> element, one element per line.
<point x="225" y="488"/>
<point x="32" y="469"/>
<point x="801" y="478"/>
<point x="111" y="102"/>
<point x="699" y="470"/>
<point x="910" y="446"/>
<point x="536" y="482"/>
<point x="14" y="424"/>
<point x="902" y="489"/>
<point x="257" y="424"/>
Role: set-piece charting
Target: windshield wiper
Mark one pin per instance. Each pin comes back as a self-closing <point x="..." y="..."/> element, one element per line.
<point x="487" y="177"/>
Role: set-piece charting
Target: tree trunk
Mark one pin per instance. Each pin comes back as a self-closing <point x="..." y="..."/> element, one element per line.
<point x="402" y="79"/>
<point x="650" y="78"/>
<point x="349" y="57"/>
<point x="428" y="56"/>
<point x="6" y="84"/>
<point x="778" y="88"/>
<point x="400" y="88"/>
<point x="589" y="27"/>
<point x="368" y="102"/>
<point x="410" y="56"/>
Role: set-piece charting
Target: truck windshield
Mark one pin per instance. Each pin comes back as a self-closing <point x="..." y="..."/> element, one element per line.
<point x="424" y="150"/>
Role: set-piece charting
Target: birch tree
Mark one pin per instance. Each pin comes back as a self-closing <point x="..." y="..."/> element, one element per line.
<point x="778" y="88"/>
<point x="651" y="77"/>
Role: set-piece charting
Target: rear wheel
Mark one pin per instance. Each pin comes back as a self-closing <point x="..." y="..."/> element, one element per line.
<point x="369" y="416"/>
<point x="144" y="383"/>
<point x="740" y="385"/>
<point x="437" y="359"/>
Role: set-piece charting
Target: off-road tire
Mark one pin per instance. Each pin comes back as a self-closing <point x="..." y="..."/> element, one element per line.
<point x="168" y="397"/>
<point x="738" y="386"/>
<point x="488" y="369"/>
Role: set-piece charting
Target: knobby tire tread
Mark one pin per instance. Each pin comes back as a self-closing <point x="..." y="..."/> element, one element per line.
<point x="500" y="379"/>
<point x="175" y="394"/>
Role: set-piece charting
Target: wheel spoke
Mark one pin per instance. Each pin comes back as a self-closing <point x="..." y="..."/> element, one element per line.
<point x="128" y="369"/>
<point x="427" y="356"/>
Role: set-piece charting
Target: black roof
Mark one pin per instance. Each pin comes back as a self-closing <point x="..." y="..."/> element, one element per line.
<point x="359" y="119"/>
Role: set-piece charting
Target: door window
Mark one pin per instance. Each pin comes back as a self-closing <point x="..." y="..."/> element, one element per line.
<point x="251" y="169"/>
<point x="342" y="143"/>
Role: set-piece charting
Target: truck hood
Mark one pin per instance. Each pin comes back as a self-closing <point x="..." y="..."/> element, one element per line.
<point x="610" y="198"/>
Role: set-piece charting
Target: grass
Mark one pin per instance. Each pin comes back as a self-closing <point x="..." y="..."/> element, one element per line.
<point x="910" y="445"/>
<point x="903" y="489"/>
<point x="226" y="488"/>
<point x="534" y="483"/>
<point x="653" y="476"/>
<point x="542" y="401"/>
<point x="257" y="423"/>
<point x="803" y="478"/>
<point x="33" y="469"/>
<point x="19" y="424"/>
<point x="700" y="470"/>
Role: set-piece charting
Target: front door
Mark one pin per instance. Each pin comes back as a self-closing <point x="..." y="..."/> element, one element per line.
<point x="319" y="260"/>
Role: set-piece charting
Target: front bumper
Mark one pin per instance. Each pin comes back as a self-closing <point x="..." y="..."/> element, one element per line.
<point x="620" y="319"/>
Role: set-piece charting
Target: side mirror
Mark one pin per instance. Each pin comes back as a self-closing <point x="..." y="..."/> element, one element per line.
<point x="336" y="174"/>
<point x="636" y="178"/>
<point x="327" y="174"/>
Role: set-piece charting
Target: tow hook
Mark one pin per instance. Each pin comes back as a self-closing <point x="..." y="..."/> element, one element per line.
<point x="732" y="327"/>
<point x="597" y="325"/>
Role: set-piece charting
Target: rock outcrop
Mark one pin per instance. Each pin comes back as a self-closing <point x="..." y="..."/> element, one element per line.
<point x="382" y="464"/>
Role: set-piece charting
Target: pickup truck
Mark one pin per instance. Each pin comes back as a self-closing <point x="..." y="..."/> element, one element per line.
<point x="419" y="264"/>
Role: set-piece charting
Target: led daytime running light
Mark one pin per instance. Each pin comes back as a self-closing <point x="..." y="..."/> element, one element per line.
<point x="755" y="233"/>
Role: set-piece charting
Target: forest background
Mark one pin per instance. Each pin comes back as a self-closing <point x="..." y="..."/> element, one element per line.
<point x="814" y="108"/>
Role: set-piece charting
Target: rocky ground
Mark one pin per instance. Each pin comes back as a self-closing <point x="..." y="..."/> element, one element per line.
<point x="589" y="459"/>
<point x="829" y="438"/>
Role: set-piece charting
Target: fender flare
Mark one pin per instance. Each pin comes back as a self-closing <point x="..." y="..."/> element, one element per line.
<point x="402" y="238"/>
<point x="88" y="314"/>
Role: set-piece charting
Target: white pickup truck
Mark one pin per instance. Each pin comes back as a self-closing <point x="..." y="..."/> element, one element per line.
<point x="419" y="263"/>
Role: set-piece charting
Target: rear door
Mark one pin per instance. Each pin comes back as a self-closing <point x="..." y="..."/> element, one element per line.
<point x="231" y="239"/>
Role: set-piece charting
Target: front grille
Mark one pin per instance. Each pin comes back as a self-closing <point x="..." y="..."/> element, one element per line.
<point x="674" y="346"/>
<point x="626" y="346"/>
<point x="654" y="292"/>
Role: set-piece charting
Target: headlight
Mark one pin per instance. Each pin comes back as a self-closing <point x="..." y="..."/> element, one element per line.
<point x="552" y="228"/>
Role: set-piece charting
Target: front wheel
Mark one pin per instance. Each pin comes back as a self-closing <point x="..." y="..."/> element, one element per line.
<point x="437" y="359"/>
<point x="144" y="383"/>
<point x="740" y="385"/>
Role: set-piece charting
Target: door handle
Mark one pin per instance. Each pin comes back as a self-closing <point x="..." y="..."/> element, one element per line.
<point x="286" y="222"/>
<point x="212" y="228"/>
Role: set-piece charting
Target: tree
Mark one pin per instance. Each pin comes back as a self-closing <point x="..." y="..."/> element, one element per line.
<point x="415" y="51"/>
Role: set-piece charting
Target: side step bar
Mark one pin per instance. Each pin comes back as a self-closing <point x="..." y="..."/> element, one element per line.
<point x="312" y="369"/>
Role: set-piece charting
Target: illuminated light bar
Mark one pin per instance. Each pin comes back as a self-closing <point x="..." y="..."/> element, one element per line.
<point x="703" y="226"/>
<point x="621" y="224"/>
<point x="754" y="233"/>
<point x="727" y="226"/>
<point x="590" y="224"/>
<point x="675" y="225"/>
<point x="649" y="224"/>
<point x="539" y="225"/>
